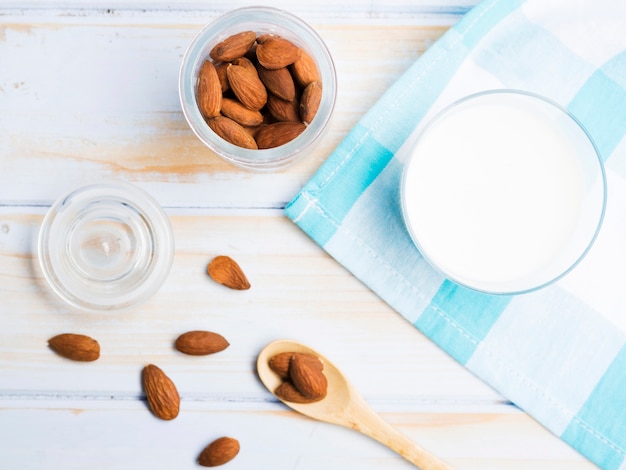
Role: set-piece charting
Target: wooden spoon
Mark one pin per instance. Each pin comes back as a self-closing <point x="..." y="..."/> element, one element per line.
<point x="344" y="406"/>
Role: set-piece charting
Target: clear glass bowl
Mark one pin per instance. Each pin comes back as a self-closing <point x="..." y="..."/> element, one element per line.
<point x="105" y="247"/>
<point x="260" y="20"/>
<point x="503" y="192"/>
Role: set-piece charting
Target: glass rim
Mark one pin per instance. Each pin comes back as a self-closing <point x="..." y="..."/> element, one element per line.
<point x="305" y="36"/>
<point x="57" y="222"/>
<point x="599" y="166"/>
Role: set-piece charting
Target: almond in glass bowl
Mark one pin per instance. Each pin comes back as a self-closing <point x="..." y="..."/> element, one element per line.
<point x="266" y="113"/>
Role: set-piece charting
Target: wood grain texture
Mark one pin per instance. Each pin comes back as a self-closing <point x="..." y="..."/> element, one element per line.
<point x="105" y="434"/>
<point x="297" y="291"/>
<point x="89" y="90"/>
<point x="327" y="8"/>
<point x="89" y="107"/>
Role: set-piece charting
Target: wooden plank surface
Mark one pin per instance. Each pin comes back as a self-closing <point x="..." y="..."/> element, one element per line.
<point x="297" y="291"/>
<point x="88" y="106"/>
<point x="328" y="9"/>
<point x="89" y="90"/>
<point x="104" y="434"/>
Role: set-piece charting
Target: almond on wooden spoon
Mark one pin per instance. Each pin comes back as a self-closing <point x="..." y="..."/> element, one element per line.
<point x="344" y="406"/>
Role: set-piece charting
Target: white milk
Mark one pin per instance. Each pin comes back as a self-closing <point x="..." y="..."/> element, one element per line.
<point x="495" y="189"/>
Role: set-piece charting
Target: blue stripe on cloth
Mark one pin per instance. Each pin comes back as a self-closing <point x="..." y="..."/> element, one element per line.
<point x="601" y="422"/>
<point x="599" y="106"/>
<point x="547" y="355"/>
<point x="458" y="319"/>
<point x="484" y="17"/>
<point x="616" y="68"/>
<point x="369" y="146"/>
<point x="348" y="184"/>
<point x="400" y="110"/>
<point x="311" y="218"/>
<point x="397" y="271"/>
<point x="345" y="208"/>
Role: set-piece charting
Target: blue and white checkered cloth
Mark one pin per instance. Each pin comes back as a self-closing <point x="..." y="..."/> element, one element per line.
<point x="554" y="352"/>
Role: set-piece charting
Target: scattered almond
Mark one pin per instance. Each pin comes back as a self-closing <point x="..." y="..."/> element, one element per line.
<point x="75" y="347"/>
<point x="310" y="381"/>
<point x="310" y="101"/>
<point x="274" y="52"/>
<point x="219" y="452"/>
<point x="233" y="47"/>
<point x="161" y="393"/>
<point x="226" y="271"/>
<point x="200" y="343"/>
<point x="209" y="90"/>
<point x="278" y="133"/>
<point x="232" y="132"/>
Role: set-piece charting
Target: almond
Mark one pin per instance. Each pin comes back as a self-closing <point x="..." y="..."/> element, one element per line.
<point x="274" y="52"/>
<point x="232" y="132"/>
<point x="310" y="101"/>
<point x="254" y="129"/>
<point x="219" y="452"/>
<point x="307" y="379"/>
<point x="161" y="393"/>
<point x="75" y="347"/>
<point x="233" y="47"/>
<point x="287" y="392"/>
<point x="263" y="37"/>
<point x="279" y="363"/>
<point x="278" y="82"/>
<point x="209" y="92"/>
<point x="221" y="67"/>
<point x="245" y="63"/>
<point x="283" y="110"/>
<point x="247" y="86"/>
<point x="278" y="133"/>
<point x="226" y="271"/>
<point x="251" y="54"/>
<point x="305" y="70"/>
<point x="270" y="90"/>
<point x="201" y="343"/>
<point x="240" y="113"/>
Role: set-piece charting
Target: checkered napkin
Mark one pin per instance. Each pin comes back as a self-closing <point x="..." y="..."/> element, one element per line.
<point x="553" y="352"/>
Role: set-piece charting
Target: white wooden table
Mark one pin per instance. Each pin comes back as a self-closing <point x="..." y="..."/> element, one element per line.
<point x="89" y="90"/>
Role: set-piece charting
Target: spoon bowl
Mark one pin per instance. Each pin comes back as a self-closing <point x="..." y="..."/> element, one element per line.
<point x="343" y="405"/>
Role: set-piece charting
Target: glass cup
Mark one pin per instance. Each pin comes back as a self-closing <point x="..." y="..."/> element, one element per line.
<point x="261" y="20"/>
<point x="503" y="192"/>
<point x="105" y="247"/>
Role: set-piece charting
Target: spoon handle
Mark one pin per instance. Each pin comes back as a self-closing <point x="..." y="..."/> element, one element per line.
<point x="368" y="422"/>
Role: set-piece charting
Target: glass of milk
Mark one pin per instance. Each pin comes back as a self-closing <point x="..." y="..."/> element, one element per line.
<point x="503" y="192"/>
